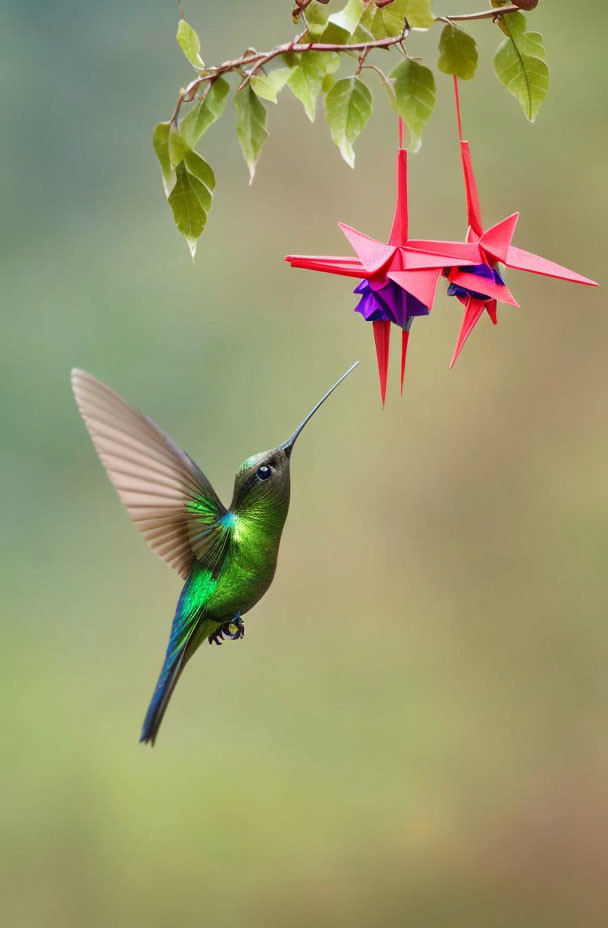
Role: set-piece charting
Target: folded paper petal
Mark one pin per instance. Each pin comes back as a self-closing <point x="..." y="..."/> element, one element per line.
<point x="344" y="266"/>
<point x="421" y="284"/>
<point x="473" y="282"/>
<point x="382" y="337"/>
<point x="373" y="255"/>
<point x="472" y="315"/>
<point x="496" y="241"/>
<point x="454" y="252"/>
<point x="405" y="337"/>
<point x="526" y="261"/>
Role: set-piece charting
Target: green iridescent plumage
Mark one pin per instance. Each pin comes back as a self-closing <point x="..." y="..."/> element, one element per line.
<point x="227" y="557"/>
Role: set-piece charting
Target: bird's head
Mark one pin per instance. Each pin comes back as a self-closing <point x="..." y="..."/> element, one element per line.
<point x="262" y="481"/>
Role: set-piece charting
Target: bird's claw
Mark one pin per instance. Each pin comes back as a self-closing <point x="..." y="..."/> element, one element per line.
<point x="234" y="629"/>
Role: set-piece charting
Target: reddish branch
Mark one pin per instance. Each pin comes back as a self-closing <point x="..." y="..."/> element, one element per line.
<point x="252" y="62"/>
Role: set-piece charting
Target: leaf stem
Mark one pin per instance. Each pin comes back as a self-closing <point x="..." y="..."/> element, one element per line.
<point x="496" y="12"/>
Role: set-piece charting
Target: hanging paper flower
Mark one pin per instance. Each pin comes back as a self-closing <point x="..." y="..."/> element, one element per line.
<point x="399" y="278"/>
<point x="480" y="286"/>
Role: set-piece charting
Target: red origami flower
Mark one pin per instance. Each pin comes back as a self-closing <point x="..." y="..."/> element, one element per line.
<point x="399" y="278"/>
<point x="479" y="285"/>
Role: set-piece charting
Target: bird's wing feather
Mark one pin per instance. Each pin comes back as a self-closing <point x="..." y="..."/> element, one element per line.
<point x="166" y="495"/>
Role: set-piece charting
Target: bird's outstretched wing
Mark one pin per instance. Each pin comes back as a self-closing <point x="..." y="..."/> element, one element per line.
<point x="167" y="497"/>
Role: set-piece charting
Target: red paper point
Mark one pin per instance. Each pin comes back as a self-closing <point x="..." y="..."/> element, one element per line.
<point x="472" y="315"/>
<point x="405" y="337"/>
<point x="382" y="335"/>
<point x="372" y="254"/>
<point x="497" y="240"/>
<point x="330" y="264"/>
<point x="525" y="261"/>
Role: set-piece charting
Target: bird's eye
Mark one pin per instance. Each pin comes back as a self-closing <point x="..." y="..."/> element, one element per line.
<point x="263" y="472"/>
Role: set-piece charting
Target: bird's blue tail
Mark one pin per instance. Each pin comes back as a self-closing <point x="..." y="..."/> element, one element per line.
<point x="175" y="661"/>
<point x="167" y="680"/>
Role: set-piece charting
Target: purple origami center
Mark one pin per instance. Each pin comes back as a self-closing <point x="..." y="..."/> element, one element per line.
<point x="480" y="270"/>
<point x="388" y="301"/>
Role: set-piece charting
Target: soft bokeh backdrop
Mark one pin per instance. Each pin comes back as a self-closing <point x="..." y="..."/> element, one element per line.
<point x="414" y="730"/>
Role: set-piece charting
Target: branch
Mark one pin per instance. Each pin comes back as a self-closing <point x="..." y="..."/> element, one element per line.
<point x="254" y="61"/>
<point x="260" y="59"/>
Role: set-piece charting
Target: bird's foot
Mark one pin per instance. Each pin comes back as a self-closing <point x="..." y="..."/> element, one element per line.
<point x="234" y="629"/>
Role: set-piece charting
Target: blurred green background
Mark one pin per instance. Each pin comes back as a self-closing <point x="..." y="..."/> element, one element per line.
<point x="414" y="731"/>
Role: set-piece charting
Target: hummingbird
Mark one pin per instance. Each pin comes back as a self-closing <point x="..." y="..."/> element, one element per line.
<point x="227" y="556"/>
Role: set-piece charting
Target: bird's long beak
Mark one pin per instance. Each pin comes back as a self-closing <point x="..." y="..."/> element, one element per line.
<point x="287" y="447"/>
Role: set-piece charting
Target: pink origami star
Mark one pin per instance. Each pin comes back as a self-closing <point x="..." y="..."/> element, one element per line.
<point x="479" y="285"/>
<point x="399" y="278"/>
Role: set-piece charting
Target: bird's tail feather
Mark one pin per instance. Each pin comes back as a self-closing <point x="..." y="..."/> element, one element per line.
<point x="169" y="675"/>
<point x="179" y="650"/>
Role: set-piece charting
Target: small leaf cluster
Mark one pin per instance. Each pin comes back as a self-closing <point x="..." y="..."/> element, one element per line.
<point x="308" y="67"/>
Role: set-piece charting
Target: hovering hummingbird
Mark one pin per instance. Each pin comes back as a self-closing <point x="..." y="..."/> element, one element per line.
<point x="227" y="557"/>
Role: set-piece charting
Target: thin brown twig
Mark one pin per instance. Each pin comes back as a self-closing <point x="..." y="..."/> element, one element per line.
<point x="363" y="55"/>
<point x="263" y="61"/>
<point x="368" y="65"/>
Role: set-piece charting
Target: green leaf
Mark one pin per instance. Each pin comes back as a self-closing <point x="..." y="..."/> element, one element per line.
<point x="250" y="127"/>
<point x="414" y="97"/>
<point x="189" y="43"/>
<point x="534" y="45"/>
<point x="458" y="53"/>
<point x="178" y="146"/>
<point x="512" y="24"/>
<point x="307" y="78"/>
<point x="205" y="112"/>
<point x="268" y="86"/>
<point x="160" y="141"/>
<point x="520" y="64"/>
<point x="419" y="14"/>
<point x="341" y="25"/>
<point x="389" y="21"/>
<point x="328" y="82"/>
<point x="348" y="106"/>
<point x="190" y="201"/>
<point x="316" y="18"/>
<point x="199" y="167"/>
<point x="361" y="34"/>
